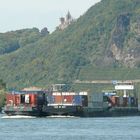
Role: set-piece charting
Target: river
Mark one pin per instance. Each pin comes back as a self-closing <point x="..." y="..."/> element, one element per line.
<point x="69" y="128"/>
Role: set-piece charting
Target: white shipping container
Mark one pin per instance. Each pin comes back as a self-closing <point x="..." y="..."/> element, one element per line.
<point x="27" y="99"/>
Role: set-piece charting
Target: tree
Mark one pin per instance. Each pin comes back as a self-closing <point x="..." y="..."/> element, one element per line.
<point x="44" y="31"/>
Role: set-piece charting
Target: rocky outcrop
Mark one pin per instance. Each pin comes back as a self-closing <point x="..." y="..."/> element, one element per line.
<point x="120" y="31"/>
<point x="118" y="37"/>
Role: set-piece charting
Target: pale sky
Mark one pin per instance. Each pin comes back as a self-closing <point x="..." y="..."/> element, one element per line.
<point x="19" y="14"/>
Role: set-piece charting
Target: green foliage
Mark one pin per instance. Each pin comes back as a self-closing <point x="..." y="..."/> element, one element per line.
<point x="2" y="98"/>
<point x="92" y="73"/>
<point x="12" y="41"/>
<point x="31" y="58"/>
<point x="2" y="93"/>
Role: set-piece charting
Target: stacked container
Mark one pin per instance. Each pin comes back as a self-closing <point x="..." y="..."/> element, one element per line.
<point x="121" y="101"/>
<point x="58" y="99"/>
<point x="77" y="100"/>
<point x="113" y="100"/>
<point x="68" y="99"/>
<point x="125" y="101"/>
<point x="33" y="99"/>
<point x="9" y="99"/>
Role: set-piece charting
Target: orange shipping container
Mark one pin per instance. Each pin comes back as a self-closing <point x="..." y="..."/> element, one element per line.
<point x="58" y="99"/>
<point x="33" y="99"/>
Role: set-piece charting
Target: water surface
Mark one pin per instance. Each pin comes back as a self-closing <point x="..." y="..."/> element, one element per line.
<point x="116" y="128"/>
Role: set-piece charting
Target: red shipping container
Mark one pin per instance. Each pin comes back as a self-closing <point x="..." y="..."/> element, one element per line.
<point x="117" y="101"/>
<point x="113" y="100"/>
<point x="33" y="99"/>
<point x="17" y="100"/>
<point x="9" y="99"/>
<point x="68" y="99"/>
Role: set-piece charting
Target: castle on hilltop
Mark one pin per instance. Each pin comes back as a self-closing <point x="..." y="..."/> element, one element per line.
<point x="65" y="21"/>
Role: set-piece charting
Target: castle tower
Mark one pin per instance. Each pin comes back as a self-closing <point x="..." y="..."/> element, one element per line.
<point x="62" y="20"/>
<point x="65" y="22"/>
<point x="68" y="18"/>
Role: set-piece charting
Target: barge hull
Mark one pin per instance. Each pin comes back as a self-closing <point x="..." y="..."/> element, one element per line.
<point x="63" y="110"/>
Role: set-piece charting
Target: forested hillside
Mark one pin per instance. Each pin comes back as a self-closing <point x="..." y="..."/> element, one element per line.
<point x="104" y="43"/>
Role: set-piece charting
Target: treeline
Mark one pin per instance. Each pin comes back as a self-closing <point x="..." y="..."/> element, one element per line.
<point x="2" y="93"/>
<point x="12" y="41"/>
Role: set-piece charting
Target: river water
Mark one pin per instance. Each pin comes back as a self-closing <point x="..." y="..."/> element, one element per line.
<point x="69" y="128"/>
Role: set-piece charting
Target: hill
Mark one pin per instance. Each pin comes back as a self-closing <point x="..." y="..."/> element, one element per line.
<point x="104" y="43"/>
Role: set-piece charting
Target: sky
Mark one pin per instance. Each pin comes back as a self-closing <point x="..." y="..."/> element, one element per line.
<point x="20" y="14"/>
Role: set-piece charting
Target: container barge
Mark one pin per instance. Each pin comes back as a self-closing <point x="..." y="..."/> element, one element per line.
<point x="57" y="102"/>
<point x="66" y="103"/>
<point x="44" y="103"/>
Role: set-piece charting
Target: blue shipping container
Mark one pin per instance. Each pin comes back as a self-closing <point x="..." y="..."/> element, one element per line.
<point x="77" y="99"/>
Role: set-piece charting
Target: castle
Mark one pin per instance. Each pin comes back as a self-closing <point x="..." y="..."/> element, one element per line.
<point x="65" y="22"/>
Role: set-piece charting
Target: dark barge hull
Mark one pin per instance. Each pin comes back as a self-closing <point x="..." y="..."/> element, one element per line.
<point x="63" y="110"/>
<point x="25" y="113"/>
<point x="114" y="112"/>
<point x="76" y="111"/>
<point x="28" y="112"/>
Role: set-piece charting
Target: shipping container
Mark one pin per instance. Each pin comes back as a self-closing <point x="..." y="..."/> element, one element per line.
<point x="58" y="99"/>
<point x="50" y="99"/>
<point x="129" y="101"/>
<point x="17" y="99"/>
<point x="40" y="99"/>
<point x="33" y="99"/>
<point x="136" y="102"/>
<point x="97" y="105"/>
<point x="84" y="100"/>
<point x="117" y="101"/>
<point x="27" y="98"/>
<point x="121" y="101"/>
<point x="125" y="101"/>
<point x="112" y="100"/>
<point x="133" y="101"/>
<point x="68" y="99"/>
<point x="9" y="99"/>
<point x="97" y="97"/>
<point x="77" y="100"/>
<point x="96" y="100"/>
